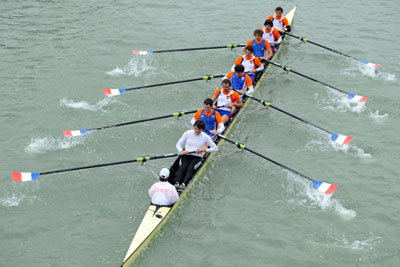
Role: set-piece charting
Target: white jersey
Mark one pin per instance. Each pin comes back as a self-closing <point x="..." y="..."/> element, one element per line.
<point x="163" y="194"/>
<point x="278" y="23"/>
<point x="192" y="142"/>
<point x="224" y="100"/>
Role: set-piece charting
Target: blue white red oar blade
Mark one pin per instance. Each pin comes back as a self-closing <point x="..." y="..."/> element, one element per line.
<point x="369" y="64"/>
<point x="75" y="133"/>
<point x="341" y="139"/>
<point x="324" y="187"/>
<point x="25" y="176"/>
<point x="357" y="98"/>
<point x="118" y="91"/>
<point x="137" y="52"/>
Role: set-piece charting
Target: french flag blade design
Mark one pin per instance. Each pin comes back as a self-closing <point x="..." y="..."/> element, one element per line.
<point x="341" y="139"/>
<point x="75" y="133"/>
<point x="137" y="52"/>
<point x="369" y="64"/>
<point x="25" y="176"/>
<point x="324" y="187"/>
<point x="119" y="91"/>
<point x="357" y="98"/>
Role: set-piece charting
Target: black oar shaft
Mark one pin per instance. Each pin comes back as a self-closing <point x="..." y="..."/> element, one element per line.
<point x="176" y="114"/>
<point x="242" y="146"/>
<point x="140" y="159"/>
<point x="231" y="46"/>
<point x="286" y="68"/>
<point x="267" y="104"/>
<point x="208" y="77"/>
<point x="320" y="45"/>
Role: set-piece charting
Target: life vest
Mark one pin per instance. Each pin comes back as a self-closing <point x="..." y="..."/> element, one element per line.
<point x="259" y="49"/>
<point x="210" y="121"/>
<point x="278" y="23"/>
<point x="223" y="100"/>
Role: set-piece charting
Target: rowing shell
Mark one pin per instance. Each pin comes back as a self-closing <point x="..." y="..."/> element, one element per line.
<point x="155" y="215"/>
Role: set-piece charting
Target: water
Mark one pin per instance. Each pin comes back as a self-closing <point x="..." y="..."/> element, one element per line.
<point x="58" y="56"/>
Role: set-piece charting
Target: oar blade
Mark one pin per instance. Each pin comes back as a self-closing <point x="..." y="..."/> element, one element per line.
<point x="112" y="92"/>
<point x="341" y="139"/>
<point x="369" y="64"/>
<point x="357" y="98"/>
<point x="137" y="52"/>
<point x="324" y="187"/>
<point x="75" y="133"/>
<point x="24" y="176"/>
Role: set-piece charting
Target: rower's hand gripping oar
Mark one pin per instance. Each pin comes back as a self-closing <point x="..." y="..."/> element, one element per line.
<point x="85" y="131"/>
<point x="351" y="97"/>
<point x="318" y="185"/>
<point x="230" y="46"/>
<point x="120" y="91"/>
<point x="336" y="138"/>
<point x="305" y="40"/>
<point x="30" y="176"/>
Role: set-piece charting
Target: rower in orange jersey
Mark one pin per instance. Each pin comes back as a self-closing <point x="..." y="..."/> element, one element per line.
<point x="211" y="118"/>
<point x="271" y="34"/>
<point x="251" y="63"/>
<point x="279" y="21"/>
<point x="241" y="82"/>
<point x="261" y="47"/>
<point x="227" y="100"/>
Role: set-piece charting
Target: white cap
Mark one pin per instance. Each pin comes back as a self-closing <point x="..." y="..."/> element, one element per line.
<point x="164" y="173"/>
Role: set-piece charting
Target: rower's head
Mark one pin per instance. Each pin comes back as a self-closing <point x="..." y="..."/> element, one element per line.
<point x="199" y="126"/>
<point x="164" y="174"/>
<point x="208" y="104"/>
<point x="239" y="69"/>
<point x="268" y="24"/>
<point x="278" y="11"/>
<point x="226" y="85"/>
<point x="258" y="34"/>
<point x="248" y="50"/>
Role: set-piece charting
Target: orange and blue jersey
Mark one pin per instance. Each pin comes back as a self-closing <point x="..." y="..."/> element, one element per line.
<point x="225" y="98"/>
<point x="259" y="47"/>
<point x="211" y="119"/>
<point x="239" y="82"/>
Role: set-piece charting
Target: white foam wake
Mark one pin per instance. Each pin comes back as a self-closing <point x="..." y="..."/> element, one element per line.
<point x="11" y="201"/>
<point x="85" y="105"/>
<point x="135" y="67"/>
<point x="42" y="145"/>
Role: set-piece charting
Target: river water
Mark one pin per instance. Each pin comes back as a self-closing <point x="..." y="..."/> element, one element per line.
<point x="56" y="58"/>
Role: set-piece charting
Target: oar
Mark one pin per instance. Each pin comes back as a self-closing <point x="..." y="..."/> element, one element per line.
<point x="351" y="97"/>
<point x="85" y="131"/>
<point x="231" y="46"/>
<point x="305" y="40"/>
<point x="318" y="185"/>
<point x="120" y="91"/>
<point x="30" y="176"/>
<point x="336" y="138"/>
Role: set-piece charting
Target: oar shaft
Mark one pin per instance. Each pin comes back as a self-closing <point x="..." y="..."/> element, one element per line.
<point x="241" y="146"/>
<point x="209" y="77"/>
<point x="140" y="159"/>
<point x="231" y="46"/>
<point x="286" y="68"/>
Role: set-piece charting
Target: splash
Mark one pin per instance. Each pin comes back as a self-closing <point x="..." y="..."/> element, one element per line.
<point x="85" y="105"/>
<point x="135" y="67"/>
<point x="42" y="145"/>
<point x="368" y="243"/>
<point x="339" y="102"/>
<point x="356" y="69"/>
<point x="11" y="201"/>
<point x="306" y="195"/>
<point x="375" y="115"/>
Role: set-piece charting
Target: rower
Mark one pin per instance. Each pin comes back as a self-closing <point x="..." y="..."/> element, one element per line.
<point x="271" y="34"/>
<point x="211" y="118"/>
<point x="251" y="63"/>
<point x="163" y="193"/>
<point x="194" y="142"/>
<point x="280" y="22"/>
<point x="261" y="47"/>
<point x="241" y="82"/>
<point x="227" y="99"/>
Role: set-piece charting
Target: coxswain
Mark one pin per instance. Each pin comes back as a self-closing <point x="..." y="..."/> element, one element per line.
<point x="211" y="118"/>
<point x="271" y="34"/>
<point x="163" y="193"/>
<point x="227" y="100"/>
<point x="194" y="142"/>
<point x="279" y="21"/>
<point x="251" y="63"/>
<point x="241" y="82"/>
<point x="261" y="47"/>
